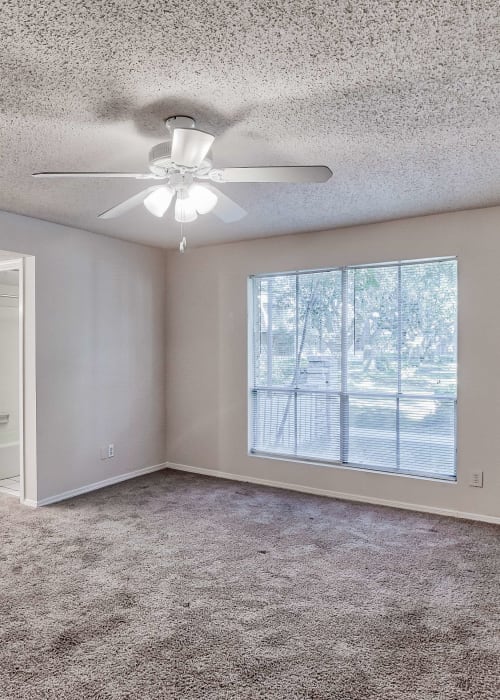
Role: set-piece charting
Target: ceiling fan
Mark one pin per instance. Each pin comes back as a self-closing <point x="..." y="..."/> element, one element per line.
<point x="179" y="164"/>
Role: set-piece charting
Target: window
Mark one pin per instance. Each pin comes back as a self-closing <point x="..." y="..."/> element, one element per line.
<point x="357" y="365"/>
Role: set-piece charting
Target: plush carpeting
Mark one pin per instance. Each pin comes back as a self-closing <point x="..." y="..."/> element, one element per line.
<point x="180" y="586"/>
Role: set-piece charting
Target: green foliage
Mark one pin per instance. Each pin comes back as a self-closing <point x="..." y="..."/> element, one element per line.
<point x="306" y="322"/>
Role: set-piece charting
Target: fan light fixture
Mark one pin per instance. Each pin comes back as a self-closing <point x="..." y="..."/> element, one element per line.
<point x="203" y="198"/>
<point x="191" y="201"/>
<point x="185" y="209"/>
<point x="159" y="200"/>
<point x="176" y="166"/>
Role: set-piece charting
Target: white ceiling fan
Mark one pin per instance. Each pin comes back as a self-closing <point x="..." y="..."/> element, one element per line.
<point x="179" y="164"/>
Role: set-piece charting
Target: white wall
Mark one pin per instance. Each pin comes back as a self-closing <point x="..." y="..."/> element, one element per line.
<point x="99" y="352"/>
<point x="206" y="309"/>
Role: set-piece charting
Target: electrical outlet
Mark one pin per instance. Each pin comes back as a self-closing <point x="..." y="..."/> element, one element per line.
<point x="476" y="479"/>
<point x="111" y="450"/>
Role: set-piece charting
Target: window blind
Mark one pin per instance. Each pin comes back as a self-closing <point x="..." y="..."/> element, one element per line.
<point x="357" y="365"/>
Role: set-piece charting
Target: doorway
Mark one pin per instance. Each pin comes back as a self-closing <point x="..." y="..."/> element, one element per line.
<point x="10" y="378"/>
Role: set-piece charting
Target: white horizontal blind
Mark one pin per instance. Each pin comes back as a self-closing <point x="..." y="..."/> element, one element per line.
<point x="357" y="366"/>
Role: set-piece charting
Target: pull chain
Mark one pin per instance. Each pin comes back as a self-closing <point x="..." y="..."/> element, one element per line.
<point x="183" y="243"/>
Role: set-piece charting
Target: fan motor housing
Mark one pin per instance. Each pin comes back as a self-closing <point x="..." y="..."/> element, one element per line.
<point x="160" y="161"/>
<point x="159" y="158"/>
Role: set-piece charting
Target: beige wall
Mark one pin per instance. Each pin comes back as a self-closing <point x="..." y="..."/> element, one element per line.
<point x="101" y="355"/>
<point x="99" y="352"/>
<point x="206" y="309"/>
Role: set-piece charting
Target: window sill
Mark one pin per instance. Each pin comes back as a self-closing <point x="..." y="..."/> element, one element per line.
<point x="352" y="467"/>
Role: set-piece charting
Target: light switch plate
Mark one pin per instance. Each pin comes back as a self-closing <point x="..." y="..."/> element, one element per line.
<point x="476" y="479"/>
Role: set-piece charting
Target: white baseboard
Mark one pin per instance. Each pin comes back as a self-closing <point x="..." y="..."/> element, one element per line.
<point x="262" y="482"/>
<point x="336" y="494"/>
<point x="95" y="486"/>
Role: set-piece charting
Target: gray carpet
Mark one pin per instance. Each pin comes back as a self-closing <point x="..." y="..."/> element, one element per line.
<point x="180" y="586"/>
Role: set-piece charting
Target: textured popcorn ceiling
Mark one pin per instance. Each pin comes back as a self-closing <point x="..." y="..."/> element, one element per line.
<point x="400" y="99"/>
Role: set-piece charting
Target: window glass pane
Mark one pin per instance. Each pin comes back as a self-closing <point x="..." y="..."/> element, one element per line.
<point x="383" y="396"/>
<point x="318" y="426"/>
<point x="274" y="421"/>
<point x="427" y="436"/>
<point x="274" y="353"/>
<point x="261" y="354"/>
<point x="373" y="329"/>
<point x="428" y="327"/>
<point x="372" y="432"/>
<point x="320" y="302"/>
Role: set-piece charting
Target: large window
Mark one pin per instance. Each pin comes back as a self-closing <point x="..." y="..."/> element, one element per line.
<point x="357" y="365"/>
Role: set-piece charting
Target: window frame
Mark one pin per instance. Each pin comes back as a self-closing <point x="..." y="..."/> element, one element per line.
<point x="343" y="393"/>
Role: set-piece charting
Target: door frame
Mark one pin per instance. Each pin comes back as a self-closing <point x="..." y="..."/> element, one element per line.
<point x="27" y="382"/>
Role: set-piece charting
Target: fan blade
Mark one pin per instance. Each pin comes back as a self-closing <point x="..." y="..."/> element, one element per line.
<point x="136" y="176"/>
<point x="226" y="210"/>
<point x="128" y="204"/>
<point x="190" y="146"/>
<point x="291" y="173"/>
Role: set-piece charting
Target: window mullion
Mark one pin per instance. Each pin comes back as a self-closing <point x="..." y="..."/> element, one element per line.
<point x="270" y="332"/>
<point x="297" y="368"/>
<point x="344" y="347"/>
<point x="399" y="346"/>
